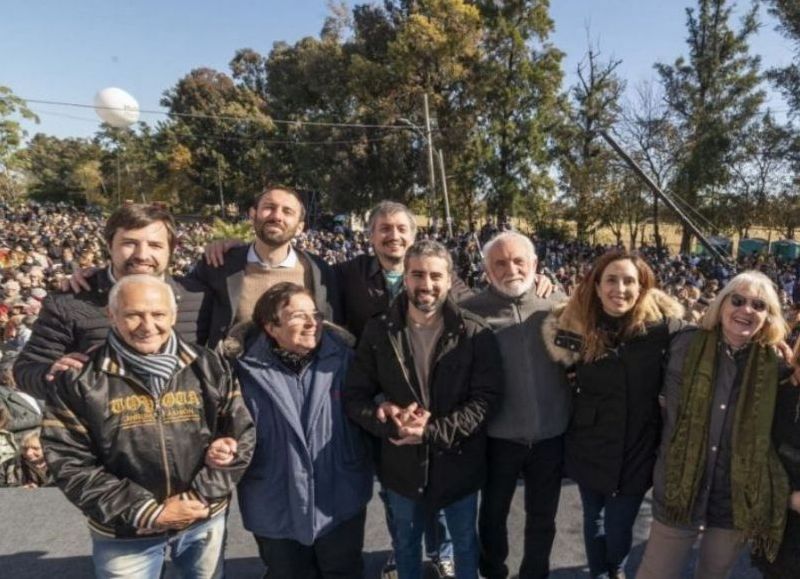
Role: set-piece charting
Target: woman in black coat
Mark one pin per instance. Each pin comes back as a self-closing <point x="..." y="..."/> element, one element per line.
<point x="614" y="332"/>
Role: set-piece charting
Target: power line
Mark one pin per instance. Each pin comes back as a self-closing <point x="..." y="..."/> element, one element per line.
<point x="240" y="137"/>
<point x="227" y="117"/>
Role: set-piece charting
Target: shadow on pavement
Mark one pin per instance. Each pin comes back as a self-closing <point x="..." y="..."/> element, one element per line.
<point x="33" y="565"/>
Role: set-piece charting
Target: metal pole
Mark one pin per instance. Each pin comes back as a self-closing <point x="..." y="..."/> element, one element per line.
<point x="221" y="196"/>
<point x="119" y="181"/>
<point x="447" y="218"/>
<point x="431" y="173"/>
<point x="658" y="192"/>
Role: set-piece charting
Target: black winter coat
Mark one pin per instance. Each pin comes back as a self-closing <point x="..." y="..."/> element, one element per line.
<point x="364" y="293"/>
<point x="615" y="430"/>
<point x="466" y="381"/>
<point x="71" y="323"/>
<point x="615" y="427"/>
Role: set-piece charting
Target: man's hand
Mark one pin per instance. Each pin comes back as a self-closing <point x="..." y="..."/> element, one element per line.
<point x="78" y="281"/>
<point x="785" y="352"/>
<point x="221" y="452"/>
<point x="411" y="423"/>
<point x="794" y="501"/>
<point x="178" y="514"/>
<point x="74" y="360"/>
<point x="544" y="287"/>
<point x="215" y="251"/>
<point x="387" y="410"/>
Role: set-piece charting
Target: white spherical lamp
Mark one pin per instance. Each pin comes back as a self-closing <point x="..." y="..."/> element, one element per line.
<point x="116" y="107"/>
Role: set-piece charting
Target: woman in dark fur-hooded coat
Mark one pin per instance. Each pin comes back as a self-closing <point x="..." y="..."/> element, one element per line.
<point x="613" y="334"/>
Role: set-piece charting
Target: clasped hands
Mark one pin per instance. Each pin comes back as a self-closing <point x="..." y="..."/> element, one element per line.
<point x="410" y="421"/>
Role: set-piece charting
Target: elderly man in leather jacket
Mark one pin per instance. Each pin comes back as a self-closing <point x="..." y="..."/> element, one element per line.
<point x="126" y="436"/>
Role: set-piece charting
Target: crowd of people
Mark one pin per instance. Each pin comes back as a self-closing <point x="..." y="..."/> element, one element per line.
<point x="148" y="372"/>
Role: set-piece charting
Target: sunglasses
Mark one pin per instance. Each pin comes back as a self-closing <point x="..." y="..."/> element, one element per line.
<point x="758" y="305"/>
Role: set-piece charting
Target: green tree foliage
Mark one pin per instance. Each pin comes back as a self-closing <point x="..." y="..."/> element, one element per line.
<point x="585" y="163"/>
<point x="225" y="127"/>
<point x="53" y="163"/>
<point x="12" y="108"/>
<point x="788" y="78"/>
<point x="714" y="94"/>
<point x="517" y="86"/>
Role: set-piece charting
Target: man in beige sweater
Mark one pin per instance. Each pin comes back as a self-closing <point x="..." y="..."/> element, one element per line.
<point x="248" y="271"/>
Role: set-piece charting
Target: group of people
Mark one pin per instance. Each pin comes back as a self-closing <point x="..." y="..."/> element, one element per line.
<point x="267" y="369"/>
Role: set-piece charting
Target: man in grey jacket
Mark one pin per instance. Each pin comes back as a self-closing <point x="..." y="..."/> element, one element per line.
<point x="526" y="433"/>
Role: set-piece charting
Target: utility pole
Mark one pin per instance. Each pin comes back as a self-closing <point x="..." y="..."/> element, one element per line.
<point x="447" y="218"/>
<point x="219" y="184"/>
<point x="431" y="174"/>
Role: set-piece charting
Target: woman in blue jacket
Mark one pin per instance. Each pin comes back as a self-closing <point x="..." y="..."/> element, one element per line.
<point x="305" y="493"/>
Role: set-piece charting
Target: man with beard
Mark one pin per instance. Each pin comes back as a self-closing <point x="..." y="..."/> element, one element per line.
<point x="437" y="368"/>
<point x="526" y="433"/>
<point x="249" y="270"/>
<point x="140" y="240"/>
<point x="368" y="284"/>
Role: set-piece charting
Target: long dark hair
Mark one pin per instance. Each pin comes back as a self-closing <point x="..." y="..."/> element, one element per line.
<point x="589" y="307"/>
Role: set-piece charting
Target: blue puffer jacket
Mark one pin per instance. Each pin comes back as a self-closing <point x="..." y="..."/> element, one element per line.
<point x="304" y="480"/>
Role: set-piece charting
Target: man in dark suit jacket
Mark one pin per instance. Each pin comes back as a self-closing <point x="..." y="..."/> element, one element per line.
<point x="248" y="271"/>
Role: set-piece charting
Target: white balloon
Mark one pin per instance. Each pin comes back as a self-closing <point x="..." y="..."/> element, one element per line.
<point x="116" y="107"/>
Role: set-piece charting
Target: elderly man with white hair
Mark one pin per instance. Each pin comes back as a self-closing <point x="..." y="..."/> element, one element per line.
<point x="126" y="436"/>
<point x="526" y="433"/>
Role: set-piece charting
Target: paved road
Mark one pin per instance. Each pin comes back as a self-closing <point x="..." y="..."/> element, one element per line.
<point x="43" y="536"/>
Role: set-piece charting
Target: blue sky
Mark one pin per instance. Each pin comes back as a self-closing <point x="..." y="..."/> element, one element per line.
<point x="68" y="50"/>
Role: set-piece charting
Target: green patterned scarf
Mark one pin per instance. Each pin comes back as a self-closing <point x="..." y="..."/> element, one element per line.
<point x="759" y="486"/>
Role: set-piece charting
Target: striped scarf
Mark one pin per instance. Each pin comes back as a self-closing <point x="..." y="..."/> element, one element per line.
<point x="154" y="370"/>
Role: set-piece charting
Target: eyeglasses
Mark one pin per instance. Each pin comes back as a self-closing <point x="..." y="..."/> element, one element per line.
<point x="300" y="318"/>
<point x="758" y="305"/>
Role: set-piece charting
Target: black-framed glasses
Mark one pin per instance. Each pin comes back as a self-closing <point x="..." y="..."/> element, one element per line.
<point x="757" y="304"/>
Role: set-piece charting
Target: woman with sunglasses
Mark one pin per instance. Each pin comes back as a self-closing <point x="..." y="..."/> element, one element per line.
<point x="718" y="475"/>
<point x="614" y="331"/>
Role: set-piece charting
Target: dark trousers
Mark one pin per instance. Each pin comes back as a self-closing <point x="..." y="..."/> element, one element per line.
<point x="336" y="555"/>
<point x="540" y="467"/>
<point x="608" y="530"/>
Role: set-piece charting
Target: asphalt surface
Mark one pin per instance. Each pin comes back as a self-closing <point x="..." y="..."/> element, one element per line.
<point x="43" y="536"/>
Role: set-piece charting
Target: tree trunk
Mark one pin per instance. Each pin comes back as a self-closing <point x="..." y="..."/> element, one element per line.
<point x="656" y="233"/>
<point x="686" y="240"/>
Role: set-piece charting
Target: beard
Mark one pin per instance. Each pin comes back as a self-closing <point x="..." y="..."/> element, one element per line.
<point x="274" y="238"/>
<point x="516" y="288"/>
<point x="427" y="306"/>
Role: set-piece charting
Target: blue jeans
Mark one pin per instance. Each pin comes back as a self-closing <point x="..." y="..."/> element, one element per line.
<point x="409" y="521"/>
<point x="196" y="553"/>
<point x="608" y="530"/>
<point x="438" y="545"/>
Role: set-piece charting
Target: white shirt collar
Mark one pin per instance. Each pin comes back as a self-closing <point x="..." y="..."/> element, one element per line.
<point x="290" y="261"/>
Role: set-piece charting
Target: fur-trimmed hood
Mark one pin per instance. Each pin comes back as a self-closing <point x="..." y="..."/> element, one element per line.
<point x="244" y="333"/>
<point x="563" y="329"/>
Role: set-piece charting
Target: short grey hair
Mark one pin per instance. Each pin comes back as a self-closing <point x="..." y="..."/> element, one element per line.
<point x="140" y="278"/>
<point x="506" y="236"/>
<point x="385" y="208"/>
<point x="429" y="248"/>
